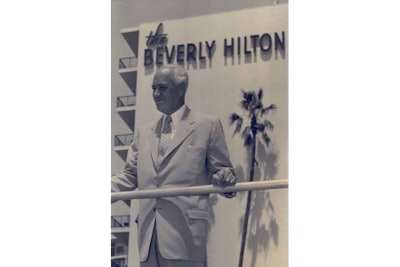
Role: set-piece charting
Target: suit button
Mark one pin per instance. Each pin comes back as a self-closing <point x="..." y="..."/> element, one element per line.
<point x="154" y="209"/>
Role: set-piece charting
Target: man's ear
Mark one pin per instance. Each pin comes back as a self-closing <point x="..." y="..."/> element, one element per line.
<point x="181" y="90"/>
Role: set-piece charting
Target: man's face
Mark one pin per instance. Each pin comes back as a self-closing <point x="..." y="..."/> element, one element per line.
<point x="165" y="94"/>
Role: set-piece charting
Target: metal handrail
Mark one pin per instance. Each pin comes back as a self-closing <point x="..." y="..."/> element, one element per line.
<point x="128" y="62"/>
<point x="199" y="190"/>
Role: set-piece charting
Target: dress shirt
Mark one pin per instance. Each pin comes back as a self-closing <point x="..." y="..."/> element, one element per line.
<point x="176" y="118"/>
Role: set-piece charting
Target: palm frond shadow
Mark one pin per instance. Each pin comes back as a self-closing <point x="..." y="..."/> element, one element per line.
<point x="263" y="227"/>
<point x="259" y="164"/>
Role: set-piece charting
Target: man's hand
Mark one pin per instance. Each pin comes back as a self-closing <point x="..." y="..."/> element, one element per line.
<point x="230" y="194"/>
<point x="224" y="177"/>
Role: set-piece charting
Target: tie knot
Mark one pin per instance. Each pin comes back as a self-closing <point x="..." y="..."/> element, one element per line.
<point x="167" y="124"/>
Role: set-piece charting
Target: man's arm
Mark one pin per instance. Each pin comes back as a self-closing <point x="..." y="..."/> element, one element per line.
<point x="126" y="179"/>
<point x="218" y="160"/>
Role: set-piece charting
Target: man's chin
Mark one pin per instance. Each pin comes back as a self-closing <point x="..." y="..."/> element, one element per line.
<point x="161" y="108"/>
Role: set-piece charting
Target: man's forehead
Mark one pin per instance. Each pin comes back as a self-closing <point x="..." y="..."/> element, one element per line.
<point x="163" y="72"/>
<point x="162" y="76"/>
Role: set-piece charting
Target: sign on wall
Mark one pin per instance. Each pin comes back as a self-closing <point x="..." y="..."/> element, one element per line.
<point x="159" y="52"/>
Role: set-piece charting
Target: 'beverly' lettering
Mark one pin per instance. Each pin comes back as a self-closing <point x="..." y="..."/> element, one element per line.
<point x="179" y="53"/>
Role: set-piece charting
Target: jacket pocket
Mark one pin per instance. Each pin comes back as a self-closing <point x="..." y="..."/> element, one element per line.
<point x="198" y="225"/>
<point x="197" y="214"/>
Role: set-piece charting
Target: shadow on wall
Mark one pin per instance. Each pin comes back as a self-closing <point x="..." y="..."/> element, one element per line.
<point x="212" y="203"/>
<point x="263" y="227"/>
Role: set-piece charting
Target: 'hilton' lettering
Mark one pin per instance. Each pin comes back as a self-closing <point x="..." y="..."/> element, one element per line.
<point x="250" y="44"/>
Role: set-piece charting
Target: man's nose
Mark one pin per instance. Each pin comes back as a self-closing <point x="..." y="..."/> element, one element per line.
<point x="156" y="92"/>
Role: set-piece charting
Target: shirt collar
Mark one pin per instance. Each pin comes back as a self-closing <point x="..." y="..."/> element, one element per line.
<point x="176" y="116"/>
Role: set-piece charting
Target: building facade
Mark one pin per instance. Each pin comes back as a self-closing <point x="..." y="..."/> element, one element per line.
<point x="235" y="48"/>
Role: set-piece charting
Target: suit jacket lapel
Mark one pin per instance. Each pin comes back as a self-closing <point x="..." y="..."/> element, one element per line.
<point x="185" y="127"/>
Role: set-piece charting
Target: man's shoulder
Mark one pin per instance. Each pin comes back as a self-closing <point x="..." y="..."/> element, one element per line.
<point x="201" y="117"/>
<point x="205" y="121"/>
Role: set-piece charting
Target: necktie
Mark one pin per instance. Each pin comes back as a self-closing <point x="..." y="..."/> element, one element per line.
<point x="165" y="137"/>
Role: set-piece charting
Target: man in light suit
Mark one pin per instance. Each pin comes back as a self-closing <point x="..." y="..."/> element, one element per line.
<point x="181" y="149"/>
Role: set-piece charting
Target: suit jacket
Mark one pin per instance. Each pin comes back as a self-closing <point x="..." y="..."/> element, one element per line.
<point x="197" y="150"/>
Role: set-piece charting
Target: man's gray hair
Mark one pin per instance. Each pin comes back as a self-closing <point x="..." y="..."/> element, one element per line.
<point x="178" y="74"/>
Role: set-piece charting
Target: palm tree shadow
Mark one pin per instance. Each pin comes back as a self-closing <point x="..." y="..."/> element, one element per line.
<point x="262" y="225"/>
<point x="239" y="171"/>
<point x="267" y="161"/>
